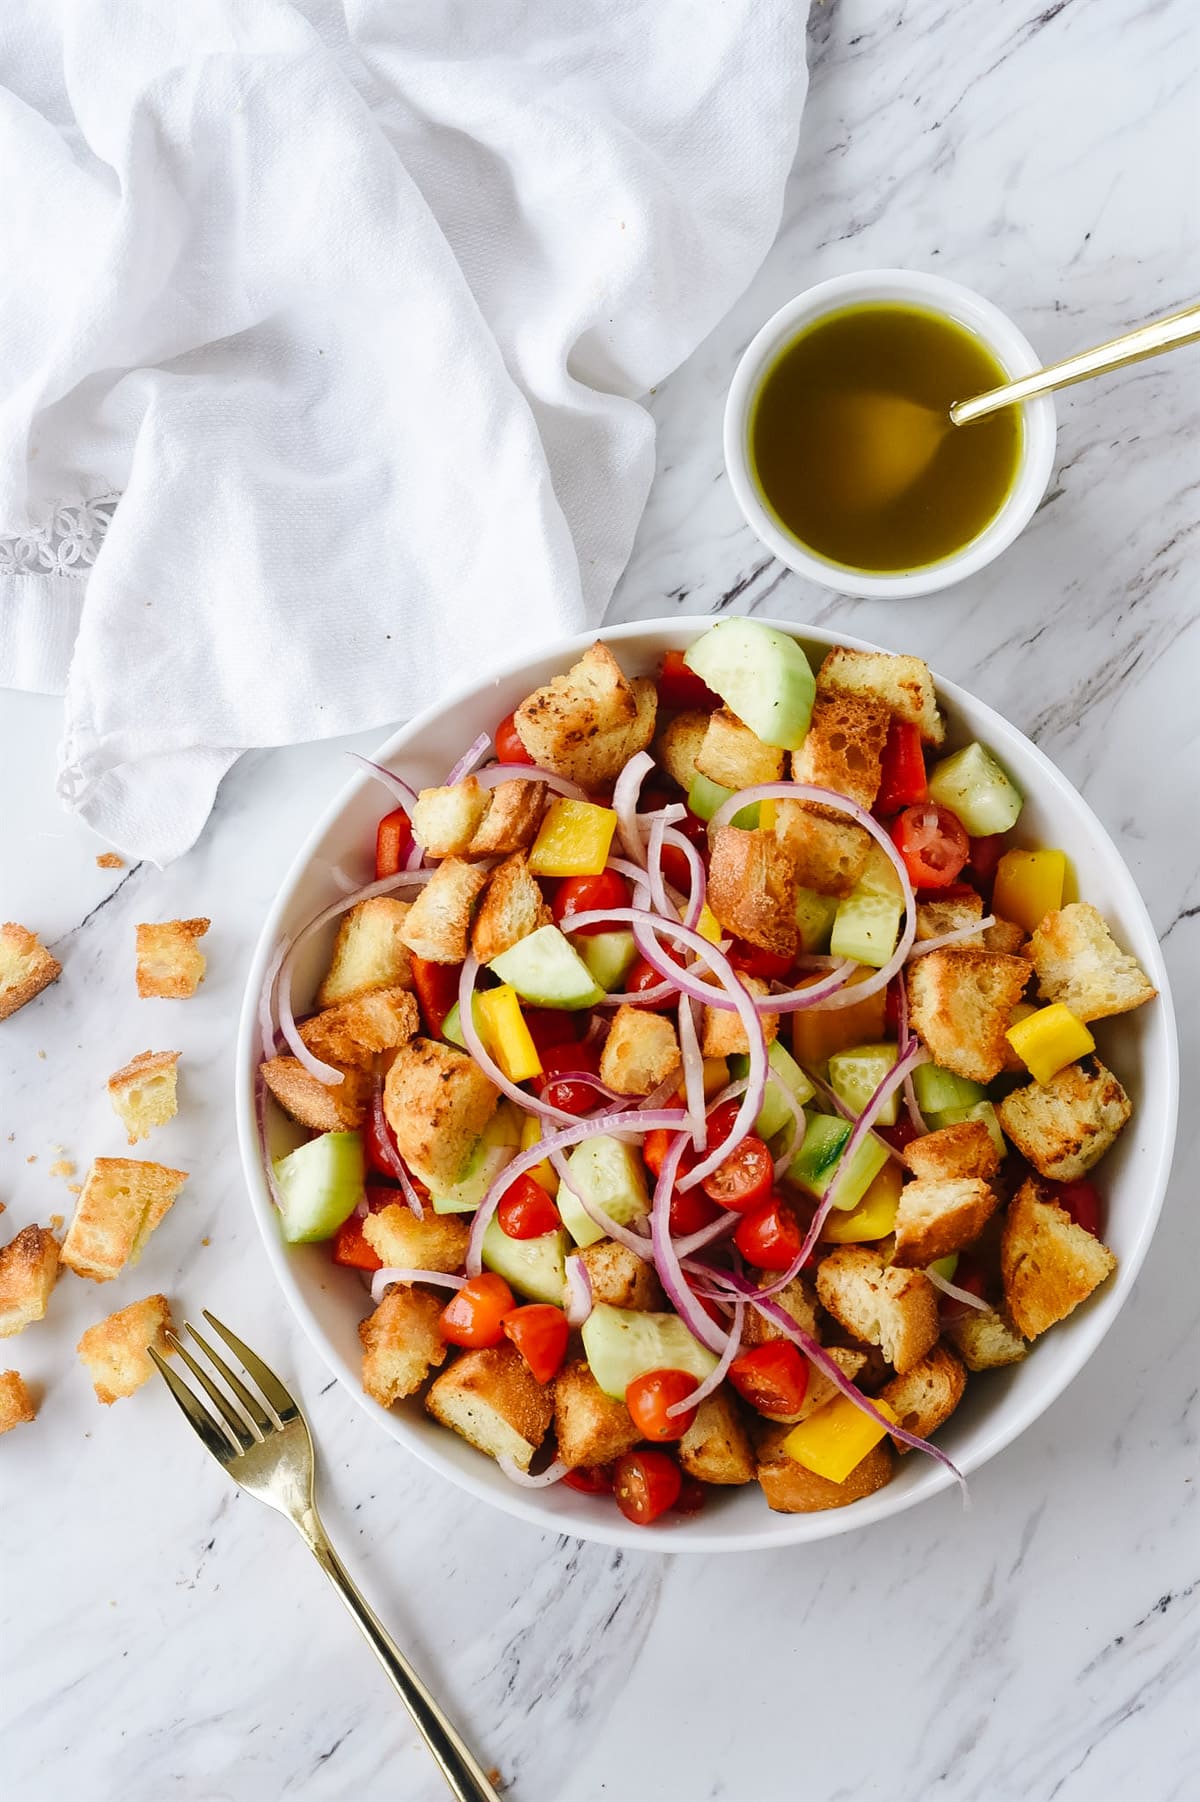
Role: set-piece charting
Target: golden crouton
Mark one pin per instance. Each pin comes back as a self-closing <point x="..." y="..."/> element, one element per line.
<point x="119" y="1206"/>
<point x="722" y="1033"/>
<point x="903" y="684"/>
<point x="640" y="1052"/>
<point x="891" y="1308"/>
<point x="28" y="1272"/>
<point x="827" y="855"/>
<point x="677" y="746"/>
<point x="445" y="820"/>
<point x="1004" y="936"/>
<point x="492" y="1400"/>
<point x="940" y="1215"/>
<point x="936" y="918"/>
<point x="1079" y="963"/>
<point x="401" y="1342"/>
<point x="169" y="963"/>
<point x="734" y="756"/>
<point x="354" y="1032"/>
<point x="369" y="952"/>
<point x="116" y="1350"/>
<point x="591" y="1427"/>
<point x="798" y="1299"/>
<point x="843" y="748"/>
<point x="927" y="1395"/>
<point x="1048" y="1263"/>
<point x="16" y="1403"/>
<point x="716" y="1447"/>
<point x="511" y="822"/>
<point x="402" y="1242"/>
<point x="437" y="1102"/>
<point x="960" y="1006"/>
<point x="985" y="1340"/>
<point x="790" y="1488"/>
<point x="822" y="1388"/>
<point x="962" y="1150"/>
<point x="143" y="1092"/>
<point x="1065" y="1126"/>
<point x="26" y="968"/>
<point x="513" y="906"/>
<point x="620" y="1278"/>
<point x="439" y="922"/>
<point x="752" y="888"/>
<point x="325" y="1107"/>
<point x="587" y="724"/>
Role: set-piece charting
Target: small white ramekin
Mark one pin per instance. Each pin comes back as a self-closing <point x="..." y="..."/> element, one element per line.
<point x="1012" y="351"/>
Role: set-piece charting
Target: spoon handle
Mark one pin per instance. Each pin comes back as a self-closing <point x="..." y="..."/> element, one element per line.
<point x="1147" y="341"/>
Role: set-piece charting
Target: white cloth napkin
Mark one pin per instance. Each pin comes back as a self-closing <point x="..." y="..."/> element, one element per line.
<point x="351" y="304"/>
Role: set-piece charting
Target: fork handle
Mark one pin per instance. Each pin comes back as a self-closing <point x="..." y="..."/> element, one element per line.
<point x="458" y="1766"/>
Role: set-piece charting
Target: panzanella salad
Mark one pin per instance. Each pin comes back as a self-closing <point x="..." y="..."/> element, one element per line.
<point x="705" y="1082"/>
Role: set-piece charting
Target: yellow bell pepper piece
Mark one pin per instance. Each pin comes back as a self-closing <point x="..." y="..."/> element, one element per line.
<point x="874" y="1216"/>
<point x="1048" y="1039"/>
<point x="1029" y="885"/>
<point x="507" y="1035"/>
<point x="818" y="1033"/>
<point x="574" y="839"/>
<point x="543" y="1173"/>
<point x="835" y="1440"/>
<point x="709" y="927"/>
<point x="766" y="816"/>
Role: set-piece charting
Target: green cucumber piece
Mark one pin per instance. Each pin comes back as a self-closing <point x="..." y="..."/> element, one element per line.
<point x="784" y="1072"/>
<point x="972" y="785"/>
<point x="320" y="1184"/>
<point x="980" y="1110"/>
<point x="493" y="1150"/>
<point x="452" y="1024"/>
<point x="620" y="1344"/>
<point x="761" y="675"/>
<point x="815" y="915"/>
<point x="535" y="1268"/>
<point x="611" y="1175"/>
<point x="608" y="955"/>
<point x="546" y="969"/>
<point x="945" y="1267"/>
<point x="705" y="796"/>
<point x="937" y="1089"/>
<point x="855" y="1075"/>
<point x="815" y="1164"/>
<point x="866" y="928"/>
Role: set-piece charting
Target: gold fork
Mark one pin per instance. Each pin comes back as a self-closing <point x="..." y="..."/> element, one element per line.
<point x="265" y="1445"/>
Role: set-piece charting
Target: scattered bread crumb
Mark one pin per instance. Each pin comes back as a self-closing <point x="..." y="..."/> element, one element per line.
<point x="75" y="1188"/>
<point x="42" y="1055"/>
<point x="32" y="1158"/>
<point x="206" y="1241"/>
<point x="108" y="860"/>
<point x="56" y="1221"/>
<point x="63" y="1167"/>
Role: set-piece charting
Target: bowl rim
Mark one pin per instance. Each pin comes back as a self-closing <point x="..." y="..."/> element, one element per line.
<point x="527" y="1505"/>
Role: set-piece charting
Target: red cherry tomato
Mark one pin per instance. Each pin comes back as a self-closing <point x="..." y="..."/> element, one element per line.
<point x="680" y="688"/>
<point x="690" y="1210"/>
<point x="393" y="836"/>
<point x="589" y="894"/>
<point x="891" y="1009"/>
<point x="676" y="869"/>
<point x="561" y="1091"/>
<point x="902" y="776"/>
<point x="1082" y="1202"/>
<point x="509" y="748"/>
<point x="378" y="1142"/>
<point x="437" y="991"/>
<point x="644" y="976"/>
<point x="650" y="1395"/>
<point x="986" y="854"/>
<point x="743" y="1179"/>
<point x="526" y="1211"/>
<point x="754" y="961"/>
<point x="474" y="1316"/>
<point x="721" y="1121"/>
<point x="933" y="843"/>
<point x="770" y="1236"/>
<point x="646" y="1484"/>
<point x="590" y="1479"/>
<point x="540" y="1333"/>
<point x="553" y="1026"/>
<point x="348" y="1247"/>
<point x="691" y="1497"/>
<point x="773" y="1378"/>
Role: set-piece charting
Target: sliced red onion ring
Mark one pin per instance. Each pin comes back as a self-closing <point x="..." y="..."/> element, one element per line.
<point x="952" y="1289"/>
<point x="951" y="938"/>
<point x="705" y="1235"/>
<point x="342" y="879"/>
<point x="400" y="790"/>
<point x="391" y="1274"/>
<point x="666" y="1258"/>
<point x="716" y="1377"/>
<point x="266" y="1017"/>
<point x="579" y="1291"/>
<point x="904" y="1038"/>
<point x="532" y="1104"/>
<point x="468" y="760"/>
<point x="632" y="872"/>
<point x="260" y="1120"/>
<point x="553" y="1473"/>
<point x="386" y="1147"/>
<point x="699" y="889"/>
<point x="625" y="805"/>
<point x="635" y="1242"/>
<point x="665" y="1092"/>
<point x="693" y="1073"/>
<point x="529" y="772"/>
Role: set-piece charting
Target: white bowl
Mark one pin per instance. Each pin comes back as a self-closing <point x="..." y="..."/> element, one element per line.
<point x="1012" y="351"/>
<point x="329" y="1302"/>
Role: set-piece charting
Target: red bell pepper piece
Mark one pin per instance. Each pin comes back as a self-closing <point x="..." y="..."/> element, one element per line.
<point x="680" y="688"/>
<point x="902" y="779"/>
<point x="393" y="836"/>
<point x="351" y="1249"/>
<point x="437" y="991"/>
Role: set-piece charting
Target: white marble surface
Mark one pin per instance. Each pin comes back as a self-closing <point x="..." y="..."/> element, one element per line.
<point x="163" y="1636"/>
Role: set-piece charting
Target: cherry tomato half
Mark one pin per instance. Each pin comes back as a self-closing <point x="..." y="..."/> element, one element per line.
<point x="650" y="1395"/>
<point x="752" y="960"/>
<point x="474" y="1315"/>
<point x="933" y="843"/>
<point x="540" y="1333"/>
<point x="553" y="1026"/>
<point x="526" y="1211"/>
<point x="773" y="1378"/>
<point x="590" y="1479"/>
<point x="589" y="894"/>
<point x="509" y="748"/>
<point x="393" y="836"/>
<point x="561" y="1091"/>
<point x="680" y="688"/>
<point x="645" y="1485"/>
<point x="744" y="1179"/>
<point x="643" y="976"/>
<point x="770" y="1236"/>
<point x="691" y="1210"/>
<point x="437" y="991"/>
<point x="902" y="774"/>
<point x="1082" y="1202"/>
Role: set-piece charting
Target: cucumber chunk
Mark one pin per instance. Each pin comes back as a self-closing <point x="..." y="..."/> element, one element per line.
<point x="937" y="1089"/>
<point x="980" y="1110"/>
<point x="705" y="796"/>
<point x="972" y="785"/>
<point x="546" y="969"/>
<point x="493" y="1150"/>
<point x="452" y="1024"/>
<point x="608" y="955"/>
<point x="783" y="1072"/>
<point x="611" y="1175"/>
<point x="945" y="1267"/>
<point x="815" y="1164"/>
<point x="620" y="1344"/>
<point x="866" y="928"/>
<point x="855" y="1075"/>
<point x="535" y="1268"/>
<point x="815" y="915"/>
<point x="762" y="675"/>
<point x="320" y="1184"/>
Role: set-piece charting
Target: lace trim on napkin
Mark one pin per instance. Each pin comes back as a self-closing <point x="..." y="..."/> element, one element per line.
<point x="66" y="544"/>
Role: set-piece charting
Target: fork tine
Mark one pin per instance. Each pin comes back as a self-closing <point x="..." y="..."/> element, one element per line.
<point x="278" y="1397"/>
<point x="246" y="1397"/>
<point x="197" y="1414"/>
<point x="236" y="1427"/>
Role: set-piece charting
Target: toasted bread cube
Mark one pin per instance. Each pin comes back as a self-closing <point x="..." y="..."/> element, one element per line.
<point x="445" y="820"/>
<point x="511" y="822"/>
<point x="722" y="1033"/>
<point x="731" y="754"/>
<point x="28" y="1272"/>
<point x="798" y="1299"/>
<point x="492" y="1400"/>
<point x="790" y="1488"/>
<point x="26" y="968"/>
<point x="143" y="1093"/>
<point x="116" y="1350"/>
<point x="438" y="926"/>
<point x="587" y="724"/>
<point x="354" y="1032"/>
<point x="985" y="1340"/>
<point x="169" y="963"/>
<point x="960" y="1006"/>
<point x="1079" y="963"/>
<point x="884" y="1306"/>
<point x="119" y="1206"/>
<point x="591" y="1427"/>
<point x="401" y="1342"/>
<point x="1006" y="937"/>
<point x="843" y="748"/>
<point x="369" y="952"/>
<point x="437" y="1102"/>
<point x="963" y="1150"/>
<point x="678" y="745"/>
<point x="936" y="918"/>
<point x="716" y="1447"/>
<point x="827" y="855"/>
<point x="513" y="906"/>
<point x="640" y="1052"/>
<point x="1066" y="1125"/>
<point x="822" y="1388"/>
<point x="325" y="1107"/>
<point x="927" y="1395"/>
<point x="16" y="1403"/>
<point x="1048" y="1263"/>
<point x="402" y="1242"/>
<point x="903" y="684"/>
<point x="620" y="1278"/>
<point x="752" y="888"/>
<point x="940" y="1215"/>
